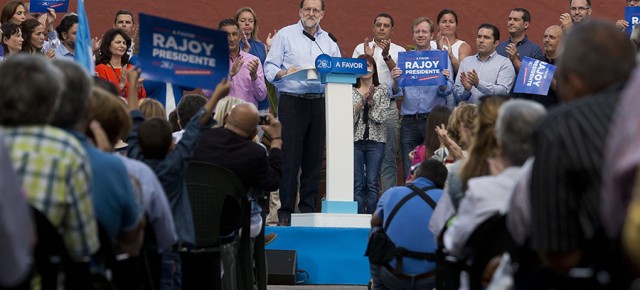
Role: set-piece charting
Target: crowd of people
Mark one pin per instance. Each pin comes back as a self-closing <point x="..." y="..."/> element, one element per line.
<point x="516" y="191"/>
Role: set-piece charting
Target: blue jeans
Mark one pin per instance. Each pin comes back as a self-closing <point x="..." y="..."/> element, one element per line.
<point x="367" y="161"/>
<point x="171" y="270"/>
<point x="384" y="280"/>
<point x="411" y="135"/>
<point x="389" y="171"/>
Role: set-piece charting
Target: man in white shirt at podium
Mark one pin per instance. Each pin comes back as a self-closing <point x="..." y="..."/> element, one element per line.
<point x="301" y="108"/>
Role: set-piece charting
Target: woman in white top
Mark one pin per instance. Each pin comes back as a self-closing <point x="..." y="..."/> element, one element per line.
<point x="447" y="38"/>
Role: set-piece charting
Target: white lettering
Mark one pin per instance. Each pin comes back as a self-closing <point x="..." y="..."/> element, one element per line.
<point x="635" y="20"/>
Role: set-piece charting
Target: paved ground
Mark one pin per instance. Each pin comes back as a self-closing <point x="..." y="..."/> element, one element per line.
<point x="316" y="287"/>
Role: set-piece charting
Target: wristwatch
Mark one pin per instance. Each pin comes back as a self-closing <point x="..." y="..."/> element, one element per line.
<point x="386" y="58"/>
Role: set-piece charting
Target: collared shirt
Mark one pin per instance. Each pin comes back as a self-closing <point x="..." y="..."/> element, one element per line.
<point x="377" y="115"/>
<point x="55" y="172"/>
<point x="496" y="75"/>
<point x="384" y="73"/>
<point x="242" y="86"/>
<point x="62" y="51"/>
<point x="156" y="204"/>
<point x="566" y="178"/>
<point x="291" y="48"/>
<point x="420" y="100"/>
<point x="524" y="48"/>
<point x="485" y="197"/>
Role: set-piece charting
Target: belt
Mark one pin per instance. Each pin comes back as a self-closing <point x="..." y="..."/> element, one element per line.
<point x="309" y="96"/>
<point x="416" y="116"/>
<point x="410" y="277"/>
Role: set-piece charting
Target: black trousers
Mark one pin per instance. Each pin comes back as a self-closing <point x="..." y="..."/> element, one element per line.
<point x="303" y="137"/>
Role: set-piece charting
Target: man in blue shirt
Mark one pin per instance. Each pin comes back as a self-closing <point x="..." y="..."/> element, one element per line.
<point x="302" y="106"/>
<point x="418" y="101"/>
<point x="409" y="229"/>
<point x="518" y="46"/>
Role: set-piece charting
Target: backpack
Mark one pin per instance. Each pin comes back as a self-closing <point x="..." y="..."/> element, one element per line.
<point x="381" y="250"/>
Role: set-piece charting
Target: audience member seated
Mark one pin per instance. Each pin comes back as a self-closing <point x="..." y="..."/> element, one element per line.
<point x="151" y="108"/>
<point x="187" y="108"/>
<point x="51" y="164"/>
<point x="117" y="205"/>
<point x="414" y="266"/>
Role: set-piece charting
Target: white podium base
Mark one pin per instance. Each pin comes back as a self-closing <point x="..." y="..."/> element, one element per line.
<point x="331" y="220"/>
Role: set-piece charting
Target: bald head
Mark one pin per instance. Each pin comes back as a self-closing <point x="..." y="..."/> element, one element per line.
<point x="243" y="120"/>
<point x="551" y="40"/>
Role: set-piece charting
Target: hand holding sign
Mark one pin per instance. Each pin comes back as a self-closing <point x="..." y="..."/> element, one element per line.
<point x="396" y="72"/>
<point x="622" y="24"/>
<point x="534" y="77"/>
<point x="51" y="16"/>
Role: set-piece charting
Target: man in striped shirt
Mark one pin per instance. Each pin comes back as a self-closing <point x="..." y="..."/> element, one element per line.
<point x="566" y="179"/>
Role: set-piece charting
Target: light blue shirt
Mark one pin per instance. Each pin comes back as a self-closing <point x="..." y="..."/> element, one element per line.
<point x="290" y="48"/>
<point x="420" y="100"/>
<point x="496" y="75"/>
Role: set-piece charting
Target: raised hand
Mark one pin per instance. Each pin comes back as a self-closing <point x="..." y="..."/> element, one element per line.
<point x="368" y="50"/>
<point x="270" y="39"/>
<point x="51" y="16"/>
<point x="512" y="51"/>
<point x="385" y="45"/>
<point x="253" y="69"/>
<point x="235" y="68"/>
<point x="464" y="79"/>
<point x="245" y="43"/>
<point x="565" y="21"/>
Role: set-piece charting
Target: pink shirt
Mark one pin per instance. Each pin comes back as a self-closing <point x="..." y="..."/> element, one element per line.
<point x="242" y="87"/>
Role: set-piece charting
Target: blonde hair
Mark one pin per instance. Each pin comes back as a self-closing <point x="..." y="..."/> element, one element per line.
<point x="483" y="143"/>
<point x="112" y="114"/>
<point x="463" y="115"/>
<point x="224" y="106"/>
<point x="151" y="108"/>
<point x="254" y="33"/>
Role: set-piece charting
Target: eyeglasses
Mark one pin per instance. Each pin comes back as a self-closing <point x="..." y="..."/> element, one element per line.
<point x="582" y="9"/>
<point x="311" y="11"/>
<point x="633" y="1"/>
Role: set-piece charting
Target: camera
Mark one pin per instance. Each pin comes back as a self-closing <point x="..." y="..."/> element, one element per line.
<point x="263" y="120"/>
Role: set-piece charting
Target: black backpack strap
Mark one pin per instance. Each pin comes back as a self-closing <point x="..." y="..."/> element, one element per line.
<point x="422" y="193"/>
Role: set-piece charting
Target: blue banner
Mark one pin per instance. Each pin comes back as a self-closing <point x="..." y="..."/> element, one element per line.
<point x="422" y="68"/>
<point x="41" y="6"/>
<point x="83" y="51"/>
<point x="631" y="15"/>
<point x="180" y="53"/>
<point x="534" y="77"/>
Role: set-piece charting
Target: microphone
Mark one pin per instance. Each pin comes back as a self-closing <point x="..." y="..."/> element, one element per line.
<point x="308" y="35"/>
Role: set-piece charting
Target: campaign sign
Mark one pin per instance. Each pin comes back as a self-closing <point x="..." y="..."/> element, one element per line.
<point x="422" y="68"/>
<point x="41" y="6"/>
<point x="341" y="65"/>
<point x="631" y="15"/>
<point x="534" y="77"/>
<point x="180" y="53"/>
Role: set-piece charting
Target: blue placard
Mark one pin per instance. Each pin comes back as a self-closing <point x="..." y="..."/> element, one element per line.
<point x="41" y="6"/>
<point x="534" y="77"/>
<point x="631" y="15"/>
<point x="341" y="65"/>
<point x="422" y="68"/>
<point x="180" y="53"/>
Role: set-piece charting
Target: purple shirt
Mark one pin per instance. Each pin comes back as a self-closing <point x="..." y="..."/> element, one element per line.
<point x="242" y="87"/>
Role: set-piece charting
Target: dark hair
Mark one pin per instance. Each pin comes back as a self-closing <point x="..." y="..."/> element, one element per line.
<point x="31" y="88"/>
<point x="321" y="3"/>
<point x="588" y="2"/>
<point x="123" y="12"/>
<point x="188" y="107"/>
<point x="75" y="94"/>
<point x="254" y="33"/>
<point x="65" y="24"/>
<point x="9" y="10"/>
<point x="228" y="22"/>
<point x="526" y="17"/>
<point x="444" y="12"/>
<point x="496" y="31"/>
<point x="28" y="27"/>
<point x="8" y="29"/>
<point x="438" y="115"/>
<point x="173" y="120"/>
<point x="433" y="170"/>
<point x="598" y="53"/>
<point x="105" y="85"/>
<point x="370" y="59"/>
<point x="155" y="138"/>
<point x="385" y="15"/>
<point x="104" y="54"/>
